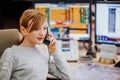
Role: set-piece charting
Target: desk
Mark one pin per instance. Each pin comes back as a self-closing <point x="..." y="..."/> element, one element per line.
<point x="95" y="70"/>
<point x="80" y="69"/>
<point x="82" y="72"/>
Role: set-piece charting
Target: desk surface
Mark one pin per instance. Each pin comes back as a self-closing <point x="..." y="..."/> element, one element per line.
<point x="95" y="70"/>
<point x="78" y="66"/>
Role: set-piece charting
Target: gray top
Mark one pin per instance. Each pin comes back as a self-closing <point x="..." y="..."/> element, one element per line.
<point x="32" y="63"/>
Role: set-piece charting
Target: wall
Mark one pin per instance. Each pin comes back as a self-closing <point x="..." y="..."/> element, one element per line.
<point x="11" y="12"/>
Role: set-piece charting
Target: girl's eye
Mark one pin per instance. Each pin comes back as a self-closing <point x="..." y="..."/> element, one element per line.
<point x="45" y="28"/>
<point x="36" y="29"/>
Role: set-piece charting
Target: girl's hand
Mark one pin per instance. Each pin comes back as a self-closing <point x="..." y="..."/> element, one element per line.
<point x="52" y="45"/>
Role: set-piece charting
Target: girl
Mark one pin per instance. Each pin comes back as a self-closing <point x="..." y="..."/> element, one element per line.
<point x="30" y="59"/>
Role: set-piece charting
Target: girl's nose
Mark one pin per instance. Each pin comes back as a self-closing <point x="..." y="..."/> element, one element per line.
<point x="41" y="32"/>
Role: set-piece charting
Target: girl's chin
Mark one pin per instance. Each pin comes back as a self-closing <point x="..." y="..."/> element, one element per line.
<point x="39" y="41"/>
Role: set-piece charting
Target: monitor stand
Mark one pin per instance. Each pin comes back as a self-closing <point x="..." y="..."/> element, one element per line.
<point x="91" y="50"/>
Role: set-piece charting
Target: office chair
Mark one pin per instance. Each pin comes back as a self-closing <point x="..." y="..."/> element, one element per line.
<point x="9" y="37"/>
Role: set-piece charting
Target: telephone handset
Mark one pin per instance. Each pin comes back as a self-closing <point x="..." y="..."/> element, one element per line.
<point x="47" y="38"/>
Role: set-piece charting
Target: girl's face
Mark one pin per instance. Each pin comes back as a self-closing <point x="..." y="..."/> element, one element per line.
<point x="36" y="36"/>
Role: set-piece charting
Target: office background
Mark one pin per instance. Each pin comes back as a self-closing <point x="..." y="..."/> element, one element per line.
<point x="11" y="11"/>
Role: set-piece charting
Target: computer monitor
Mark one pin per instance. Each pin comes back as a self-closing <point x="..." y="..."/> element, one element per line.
<point x="107" y="30"/>
<point x="68" y="21"/>
<point x="64" y="1"/>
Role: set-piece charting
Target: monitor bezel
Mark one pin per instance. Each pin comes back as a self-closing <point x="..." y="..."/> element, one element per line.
<point x="103" y="2"/>
<point x="62" y="1"/>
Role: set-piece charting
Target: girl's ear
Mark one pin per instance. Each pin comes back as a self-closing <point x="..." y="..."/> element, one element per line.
<point x="23" y="30"/>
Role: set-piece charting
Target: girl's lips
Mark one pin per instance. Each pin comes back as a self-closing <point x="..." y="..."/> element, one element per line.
<point x="40" y="38"/>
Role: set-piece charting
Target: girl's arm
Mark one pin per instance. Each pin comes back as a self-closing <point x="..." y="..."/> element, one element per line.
<point x="6" y="64"/>
<point x="59" y="67"/>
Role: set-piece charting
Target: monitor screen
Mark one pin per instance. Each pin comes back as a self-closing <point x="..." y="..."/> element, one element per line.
<point x="68" y="21"/>
<point x="107" y="22"/>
